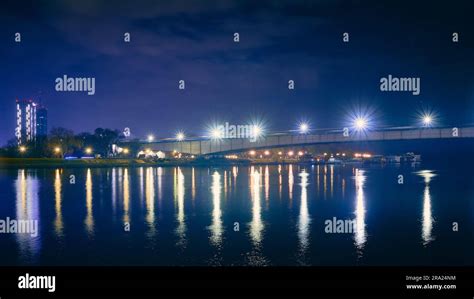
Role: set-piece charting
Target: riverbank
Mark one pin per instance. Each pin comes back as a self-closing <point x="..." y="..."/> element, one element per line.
<point x="91" y="163"/>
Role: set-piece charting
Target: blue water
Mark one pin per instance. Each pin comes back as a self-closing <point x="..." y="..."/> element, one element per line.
<point x="261" y="215"/>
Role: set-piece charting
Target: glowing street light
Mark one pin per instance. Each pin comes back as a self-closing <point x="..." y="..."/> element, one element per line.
<point x="291" y="153"/>
<point x="150" y="138"/>
<point x="257" y="131"/>
<point x="360" y="123"/>
<point x="267" y="153"/>
<point x="88" y="150"/>
<point x="57" y="150"/>
<point x="252" y="153"/>
<point x="216" y="133"/>
<point x="304" y="128"/>
<point x="427" y="117"/>
<point x="22" y="149"/>
<point x="427" y="120"/>
<point x="180" y="136"/>
<point x="126" y="151"/>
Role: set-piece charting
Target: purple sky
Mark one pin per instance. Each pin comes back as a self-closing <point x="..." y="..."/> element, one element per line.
<point x="137" y="82"/>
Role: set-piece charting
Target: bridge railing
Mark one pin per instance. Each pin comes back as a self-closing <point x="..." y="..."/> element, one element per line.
<point x="202" y="146"/>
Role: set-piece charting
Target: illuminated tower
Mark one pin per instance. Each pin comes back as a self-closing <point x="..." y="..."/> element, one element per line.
<point x="25" y="121"/>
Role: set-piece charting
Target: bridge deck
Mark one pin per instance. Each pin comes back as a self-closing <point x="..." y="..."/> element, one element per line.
<point x="208" y="146"/>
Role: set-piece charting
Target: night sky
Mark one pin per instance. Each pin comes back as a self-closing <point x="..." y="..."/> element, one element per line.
<point x="137" y="82"/>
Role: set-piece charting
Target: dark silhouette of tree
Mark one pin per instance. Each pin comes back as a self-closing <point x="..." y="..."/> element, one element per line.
<point x="100" y="142"/>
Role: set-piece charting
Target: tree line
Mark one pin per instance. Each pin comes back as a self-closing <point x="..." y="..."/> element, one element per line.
<point x="62" y="142"/>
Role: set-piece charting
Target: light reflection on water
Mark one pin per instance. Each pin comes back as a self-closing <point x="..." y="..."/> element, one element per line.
<point x="179" y="200"/>
<point x="58" y="223"/>
<point x="89" y="222"/>
<point x="216" y="226"/>
<point x="27" y="188"/>
<point x="150" y="202"/>
<point x="304" y="217"/>
<point x="427" y="218"/>
<point x="256" y="225"/>
<point x="217" y="199"/>
<point x="290" y="182"/>
<point x="126" y="197"/>
<point x="360" y="235"/>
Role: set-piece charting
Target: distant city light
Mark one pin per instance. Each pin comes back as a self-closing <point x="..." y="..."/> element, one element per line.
<point x="150" y="138"/>
<point x="57" y="149"/>
<point x="360" y="123"/>
<point x="267" y="153"/>
<point x="180" y="136"/>
<point x="300" y="153"/>
<point x="291" y="153"/>
<point x="22" y="149"/>
<point x="280" y="153"/>
<point x="363" y="155"/>
<point x="252" y="153"/>
<point x="88" y="150"/>
<point x="125" y="151"/>
<point x="304" y="128"/>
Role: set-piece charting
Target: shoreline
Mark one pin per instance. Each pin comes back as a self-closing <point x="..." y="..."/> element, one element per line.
<point x="6" y="163"/>
<point x="98" y="163"/>
<point x="15" y="163"/>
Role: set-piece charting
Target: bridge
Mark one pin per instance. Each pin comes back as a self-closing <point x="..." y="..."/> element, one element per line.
<point x="207" y="145"/>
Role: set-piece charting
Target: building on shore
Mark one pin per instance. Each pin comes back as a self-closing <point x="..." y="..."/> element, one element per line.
<point x="31" y="121"/>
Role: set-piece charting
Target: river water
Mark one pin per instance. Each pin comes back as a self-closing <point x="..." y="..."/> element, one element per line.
<point x="241" y="215"/>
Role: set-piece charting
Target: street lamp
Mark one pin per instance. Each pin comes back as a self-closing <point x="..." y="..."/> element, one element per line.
<point x="88" y="150"/>
<point x="180" y="136"/>
<point x="216" y="133"/>
<point x="22" y="149"/>
<point x="257" y="131"/>
<point x="126" y="151"/>
<point x="304" y="128"/>
<point x="427" y="120"/>
<point x="360" y="123"/>
<point x="150" y="138"/>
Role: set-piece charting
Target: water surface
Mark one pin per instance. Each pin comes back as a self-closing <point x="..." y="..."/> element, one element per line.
<point x="256" y="215"/>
